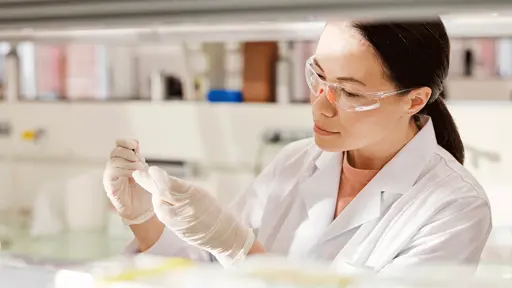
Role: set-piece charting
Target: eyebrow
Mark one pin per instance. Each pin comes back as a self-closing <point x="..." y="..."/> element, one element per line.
<point x="346" y="79"/>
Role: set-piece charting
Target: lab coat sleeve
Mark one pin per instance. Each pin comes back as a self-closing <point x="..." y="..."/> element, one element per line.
<point x="170" y="245"/>
<point x="247" y="207"/>
<point x="455" y="235"/>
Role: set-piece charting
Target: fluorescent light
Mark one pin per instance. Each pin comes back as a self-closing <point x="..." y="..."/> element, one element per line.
<point x="495" y="24"/>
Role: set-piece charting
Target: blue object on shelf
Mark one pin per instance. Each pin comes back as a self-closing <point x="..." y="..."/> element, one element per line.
<point x="225" y="96"/>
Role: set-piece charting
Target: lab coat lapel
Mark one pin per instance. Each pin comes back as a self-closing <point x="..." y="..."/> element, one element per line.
<point x="322" y="186"/>
<point x="397" y="177"/>
<point x="390" y="184"/>
<point x="281" y="202"/>
<point x="360" y="247"/>
<point x="319" y="193"/>
<point x="365" y="207"/>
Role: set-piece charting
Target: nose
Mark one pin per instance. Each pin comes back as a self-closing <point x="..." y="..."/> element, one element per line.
<point x="321" y="105"/>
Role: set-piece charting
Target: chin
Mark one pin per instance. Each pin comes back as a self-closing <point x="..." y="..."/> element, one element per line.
<point x="328" y="145"/>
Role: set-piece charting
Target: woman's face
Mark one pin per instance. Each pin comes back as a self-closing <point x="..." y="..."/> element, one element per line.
<point x="343" y="56"/>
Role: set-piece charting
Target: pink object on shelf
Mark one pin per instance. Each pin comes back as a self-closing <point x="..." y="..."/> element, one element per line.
<point x="488" y="56"/>
<point x="50" y="69"/>
<point x="82" y="73"/>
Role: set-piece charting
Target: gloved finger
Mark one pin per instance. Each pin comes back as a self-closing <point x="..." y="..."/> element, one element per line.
<point x="167" y="213"/>
<point x="118" y="167"/>
<point x="174" y="185"/>
<point x="124" y="153"/>
<point x="140" y="157"/>
<point x="116" y="173"/>
<point x="161" y="180"/>
<point x="113" y="186"/>
<point x="130" y="144"/>
<point x="162" y="210"/>
<point x="121" y="163"/>
<point x="162" y="206"/>
<point x="143" y="178"/>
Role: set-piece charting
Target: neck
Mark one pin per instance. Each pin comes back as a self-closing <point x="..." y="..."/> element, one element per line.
<point x="375" y="156"/>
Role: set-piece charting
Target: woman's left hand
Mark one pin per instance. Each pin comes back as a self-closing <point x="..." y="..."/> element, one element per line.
<point x="196" y="216"/>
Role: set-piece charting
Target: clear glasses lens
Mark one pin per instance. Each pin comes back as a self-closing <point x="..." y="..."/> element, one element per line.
<point x="313" y="81"/>
<point x="337" y="94"/>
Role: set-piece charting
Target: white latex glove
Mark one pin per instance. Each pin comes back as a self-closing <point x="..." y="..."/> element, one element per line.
<point x="132" y="202"/>
<point x="195" y="216"/>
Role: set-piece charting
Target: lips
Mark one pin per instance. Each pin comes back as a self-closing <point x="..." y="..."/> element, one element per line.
<point x="319" y="130"/>
<point x="322" y="129"/>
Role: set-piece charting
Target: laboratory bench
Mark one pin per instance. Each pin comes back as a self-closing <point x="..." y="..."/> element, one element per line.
<point x="32" y="262"/>
<point x="67" y="247"/>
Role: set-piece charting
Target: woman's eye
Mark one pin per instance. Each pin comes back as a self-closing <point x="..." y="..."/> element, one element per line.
<point x="320" y="76"/>
<point x="351" y="95"/>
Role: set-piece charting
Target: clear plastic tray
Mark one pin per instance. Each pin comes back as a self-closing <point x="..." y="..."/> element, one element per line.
<point x="267" y="272"/>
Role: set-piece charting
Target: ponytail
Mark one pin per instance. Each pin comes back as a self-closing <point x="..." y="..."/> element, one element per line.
<point x="447" y="134"/>
<point x="416" y="54"/>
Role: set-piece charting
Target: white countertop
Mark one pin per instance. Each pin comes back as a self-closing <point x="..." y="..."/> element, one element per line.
<point x="67" y="247"/>
<point x="31" y="262"/>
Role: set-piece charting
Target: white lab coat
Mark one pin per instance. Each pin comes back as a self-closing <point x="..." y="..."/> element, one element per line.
<point x="422" y="207"/>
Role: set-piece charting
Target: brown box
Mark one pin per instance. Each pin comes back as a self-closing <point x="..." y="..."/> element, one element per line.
<point x="259" y="71"/>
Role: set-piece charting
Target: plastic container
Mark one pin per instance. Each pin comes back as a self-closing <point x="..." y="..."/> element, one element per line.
<point x="145" y="271"/>
<point x="225" y="96"/>
<point x="12" y="75"/>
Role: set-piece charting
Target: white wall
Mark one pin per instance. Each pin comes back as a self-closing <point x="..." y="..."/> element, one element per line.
<point x="479" y="89"/>
<point x="79" y="137"/>
<point x="224" y="137"/>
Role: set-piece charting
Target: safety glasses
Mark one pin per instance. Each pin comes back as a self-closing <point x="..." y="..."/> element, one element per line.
<point x="346" y="97"/>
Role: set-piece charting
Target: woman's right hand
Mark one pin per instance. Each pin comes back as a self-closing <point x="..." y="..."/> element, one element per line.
<point x="132" y="202"/>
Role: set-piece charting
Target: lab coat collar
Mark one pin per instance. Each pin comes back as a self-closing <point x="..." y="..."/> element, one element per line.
<point x="397" y="177"/>
<point x="323" y="180"/>
<point x="325" y="158"/>
<point x="402" y="172"/>
<point x="399" y="174"/>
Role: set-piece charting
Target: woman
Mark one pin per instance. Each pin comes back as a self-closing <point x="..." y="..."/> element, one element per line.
<point x="381" y="185"/>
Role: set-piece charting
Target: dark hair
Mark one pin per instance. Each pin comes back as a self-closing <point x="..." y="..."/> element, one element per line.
<point x="417" y="54"/>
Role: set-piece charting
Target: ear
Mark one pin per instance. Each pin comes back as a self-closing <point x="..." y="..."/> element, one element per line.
<point x="418" y="98"/>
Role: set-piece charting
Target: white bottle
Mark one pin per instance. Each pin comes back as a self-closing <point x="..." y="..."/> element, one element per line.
<point x="234" y="60"/>
<point x="157" y="86"/>
<point x="122" y="63"/>
<point x="301" y="51"/>
<point x="283" y="74"/>
<point x="12" y="75"/>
